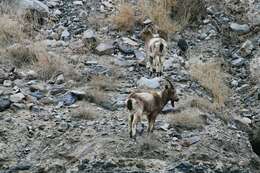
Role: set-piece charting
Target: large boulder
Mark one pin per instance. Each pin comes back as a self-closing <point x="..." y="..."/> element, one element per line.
<point x="34" y="5"/>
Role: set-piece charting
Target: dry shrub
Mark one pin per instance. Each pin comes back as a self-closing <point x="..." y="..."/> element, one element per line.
<point x="10" y="31"/>
<point x="48" y="68"/>
<point x="106" y="83"/>
<point x="210" y="76"/>
<point x="202" y="104"/>
<point x="85" y="113"/>
<point x="188" y="119"/>
<point x="96" y="96"/>
<point x="125" y="19"/>
<point x="172" y="15"/>
<point x="20" y="55"/>
<point x="159" y="13"/>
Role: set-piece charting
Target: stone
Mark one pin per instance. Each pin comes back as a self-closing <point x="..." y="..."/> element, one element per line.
<point x="65" y="35"/>
<point x="4" y="104"/>
<point x="17" y="97"/>
<point x="246" y="48"/>
<point x="78" y="3"/>
<point x="150" y="83"/>
<point x="105" y="48"/>
<point x="240" y="28"/>
<point x="30" y="75"/>
<point x="3" y="76"/>
<point x="7" y="83"/>
<point x="89" y="34"/>
<point x="78" y="93"/>
<point x="129" y="41"/>
<point x="60" y="79"/>
<point x="34" y="5"/>
<point x="238" y="62"/>
<point x="57" y="12"/>
<point x="68" y="99"/>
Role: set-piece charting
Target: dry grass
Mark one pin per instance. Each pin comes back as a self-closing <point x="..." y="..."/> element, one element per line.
<point x="125" y="19"/>
<point x="159" y="13"/>
<point x="96" y="96"/>
<point x="202" y="104"/>
<point x="172" y="15"/>
<point x="210" y="76"/>
<point x="10" y="31"/>
<point x="83" y="112"/>
<point x="104" y="83"/>
<point x="188" y="119"/>
<point x="47" y="68"/>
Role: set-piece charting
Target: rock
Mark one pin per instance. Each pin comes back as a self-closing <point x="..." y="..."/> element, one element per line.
<point x="150" y="83"/>
<point x="89" y="34"/>
<point x="65" y="35"/>
<point x="105" y="48"/>
<point x="78" y="3"/>
<point x="34" y="5"/>
<point x="68" y="99"/>
<point x="165" y="126"/>
<point x="140" y="56"/>
<point x="17" y="97"/>
<point x="63" y="127"/>
<point x="57" y="89"/>
<point x="60" y="79"/>
<point x="7" y="83"/>
<point x="37" y="94"/>
<point x="240" y="28"/>
<point x="125" y="48"/>
<point x="238" y="62"/>
<point x="246" y="48"/>
<point x="79" y="94"/>
<point x="4" y="104"/>
<point x="182" y="44"/>
<point x="30" y="75"/>
<point x="129" y="41"/>
<point x="255" y="69"/>
<point x="57" y="12"/>
<point x="3" y="76"/>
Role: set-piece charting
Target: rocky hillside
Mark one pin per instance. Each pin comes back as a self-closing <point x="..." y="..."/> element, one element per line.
<point x="67" y="67"/>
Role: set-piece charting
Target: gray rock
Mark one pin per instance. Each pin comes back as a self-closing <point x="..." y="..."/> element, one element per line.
<point x="65" y="35"/>
<point x="60" y="79"/>
<point x="57" y="12"/>
<point x="4" y="104"/>
<point x="17" y="97"/>
<point x="3" y="76"/>
<point x="105" y="48"/>
<point x="34" y="5"/>
<point x="78" y="3"/>
<point x="150" y="83"/>
<point x="89" y="34"/>
<point x="7" y="83"/>
<point x="246" y="48"/>
<point x="238" y="62"/>
<point x="30" y="75"/>
<point x="240" y="28"/>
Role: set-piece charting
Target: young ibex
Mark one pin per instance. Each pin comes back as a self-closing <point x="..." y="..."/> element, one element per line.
<point x="150" y="104"/>
<point x="156" y="49"/>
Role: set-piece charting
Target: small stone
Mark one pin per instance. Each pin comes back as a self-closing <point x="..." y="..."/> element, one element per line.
<point x="7" y="83"/>
<point x="4" y="104"/>
<point x="240" y="28"/>
<point x="129" y="41"/>
<point x="57" y="12"/>
<point x="60" y="79"/>
<point x="246" y="48"/>
<point x="238" y="62"/>
<point x="17" y="97"/>
<point x="89" y="34"/>
<point x="77" y="2"/>
<point x="105" y="48"/>
<point x="30" y="75"/>
<point x="150" y="83"/>
<point x="65" y="35"/>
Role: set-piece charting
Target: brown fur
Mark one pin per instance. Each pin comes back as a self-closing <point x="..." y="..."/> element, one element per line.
<point x="150" y="104"/>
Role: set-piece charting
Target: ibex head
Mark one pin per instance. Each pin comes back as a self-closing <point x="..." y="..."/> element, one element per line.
<point x="171" y="92"/>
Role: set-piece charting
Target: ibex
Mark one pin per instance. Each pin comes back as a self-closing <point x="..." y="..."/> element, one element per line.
<point x="149" y="104"/>
<point x="156" y="49"/>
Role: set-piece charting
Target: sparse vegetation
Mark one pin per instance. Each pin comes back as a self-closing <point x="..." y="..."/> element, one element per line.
<point x="105" y="83"/>
<point x="255" y="69"/>
<point x="10" y="31"/>
<point x="189" y="119"/>
<point x="172" y="15"/>
<point x="210" y="76"/>
<point x="125" y="19"/>
<point x="83" y="112"/>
